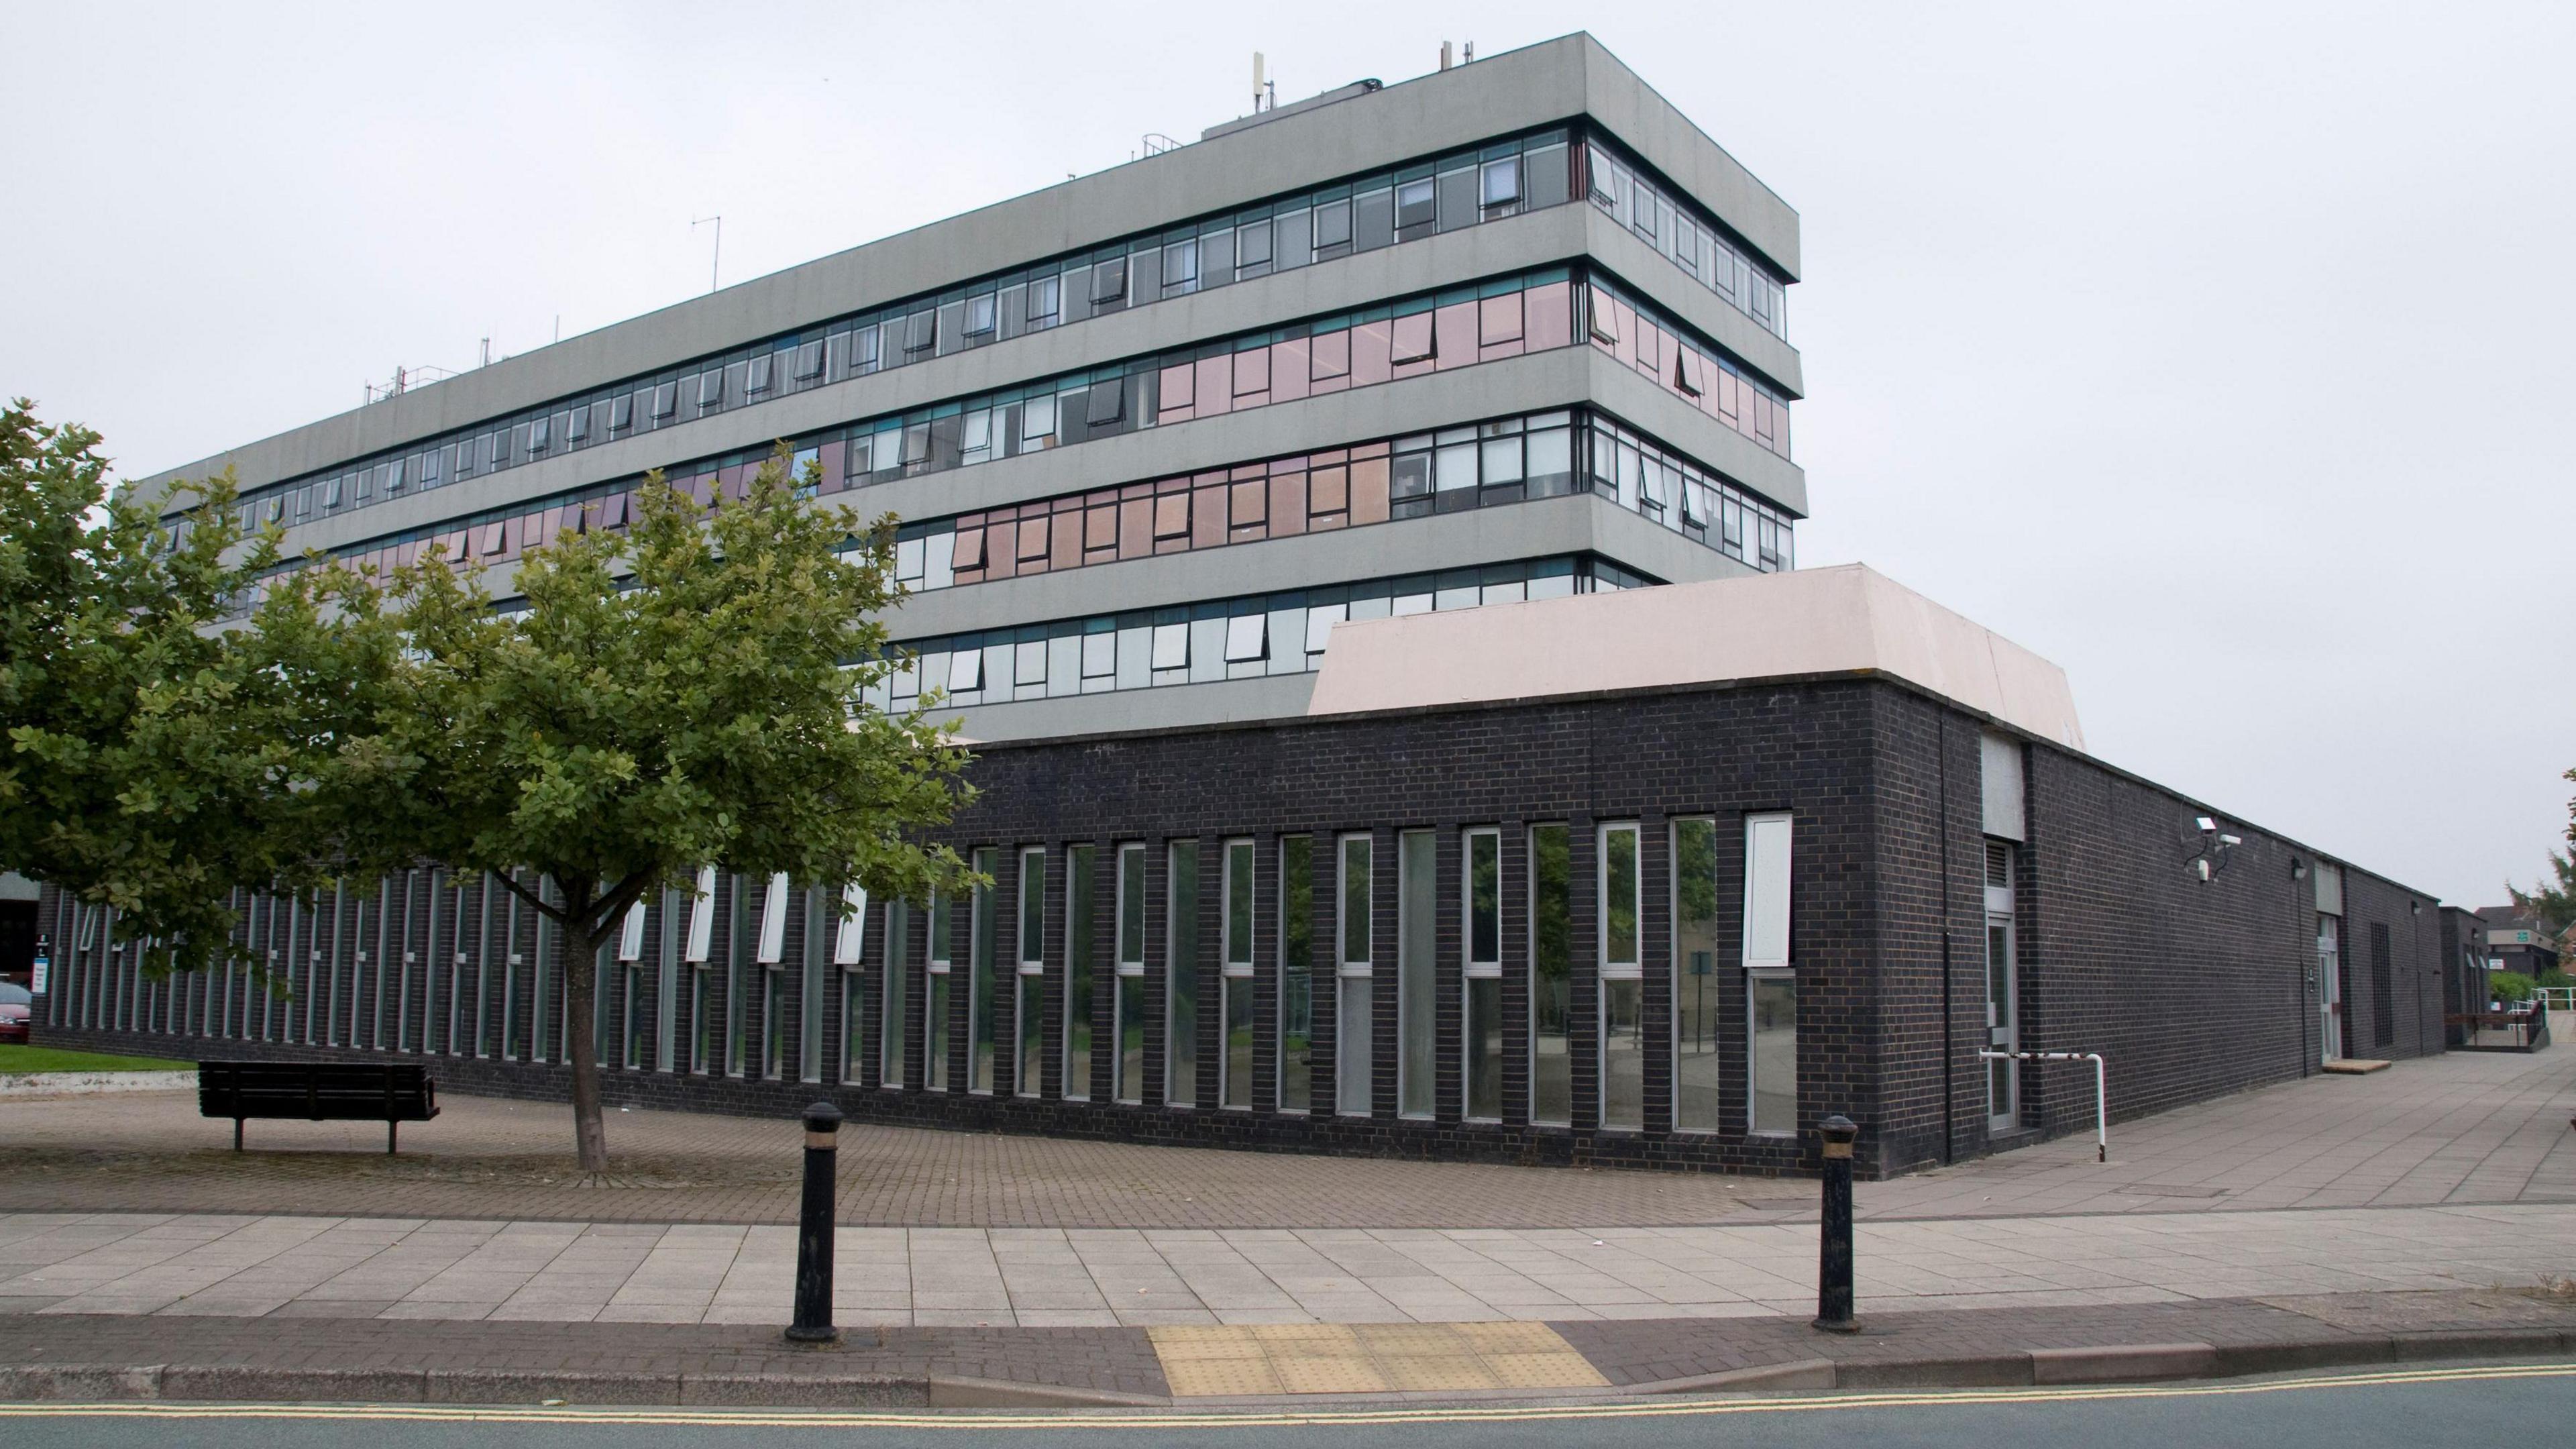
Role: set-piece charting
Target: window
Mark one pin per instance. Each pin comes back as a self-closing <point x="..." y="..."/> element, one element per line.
<point x="809" y="360"/>
<point x="1502" y="182"/>
<point x="891" y="1023"/>
<point x="921" y="332"/>
<point x="1130" y="983"/>
<point x="980" y="315"/>
<point x="773" y="922"/>
<point x="966" y="671"/>
<point x="1080" y="914"/>
<point x="938" y="1011"/>
<point x="1417" y="1002"/>
<point x="1031" y="1060"/>
<point x="577" y="425"/>
<point x="541" y="434"/>
<point x="1415" y="339"/>
<point x="666" y="401"/>
<point x="983" y="1003"/>
<point x="1551" y="975"/>
<point x="756" y="378"/>
<point x="702" y="917"/>
<point x="711" y="387"/>
<point x="1696" y="1086"/>
<point x="1332" y="226"/>
<point x="848" y="940"/>
<point x="1414" y="204"/>
<point x="621" y="412"/>
<point x="1772" y="986"/>
<point x="1603" y="322"/>
<point x="1252" y="248"/>
<point x="1623" y="1056"/>
<point x="1043" y="306"/>
<point x="1482" y="897"/>
<point x="1109" y="281"/>
<point x="1296" y="972"/>
<point x="1236" y="1064"/>
<point x="1108" y="402"/>
<point x="1351" y="1056"/>
<point x="1037" y="420"/>
<point x="1181" y="967"/>
<point x="1181" y="267"/>
<point x="1247" y="638"/>
<point x="1171" y="646"/>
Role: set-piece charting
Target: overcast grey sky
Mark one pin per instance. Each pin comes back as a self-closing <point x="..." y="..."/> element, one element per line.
<point x="2219" y="353"/>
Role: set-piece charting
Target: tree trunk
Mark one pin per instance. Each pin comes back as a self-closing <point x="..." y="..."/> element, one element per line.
<point x="578" y="958"/>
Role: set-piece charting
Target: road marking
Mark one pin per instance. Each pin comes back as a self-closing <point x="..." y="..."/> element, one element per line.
<point x="1258" y="1418"/>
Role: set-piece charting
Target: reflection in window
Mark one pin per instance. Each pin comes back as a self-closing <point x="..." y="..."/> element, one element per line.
<point x="1029" y="1064"/>
<point x="1080" y="951"/>
<point x="1484" y="940"/>
<point x="1623" y="1056"/>
<point x="1551" y="975"/>
<point x="1352" y="1053"/>
<point x="1296" y="972"/>
<point x="1696" y="990"/>
<point x="1236" y="933"/>
<point x="1417" y="1006"/>
<point x="983" y="1005"/>
<point x="1181" y="967"/>
<point x="1130" y="982"/>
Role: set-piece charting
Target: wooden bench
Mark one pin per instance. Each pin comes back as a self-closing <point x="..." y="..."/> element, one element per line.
<point x="391" y="1093"/>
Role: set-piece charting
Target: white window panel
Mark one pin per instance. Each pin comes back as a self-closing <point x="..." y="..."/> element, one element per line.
<point x="1766" y="891"/>
<point x="846" y="945"/>
<point x="1171" y="646"/>
<point x="1247" y="637"/>
<point x="1320" y="620"/>
<point x="702" y="915"/>
<point x="773" y="921"/>
<point x="630" y="945"/>
<point x="965" y="670"/>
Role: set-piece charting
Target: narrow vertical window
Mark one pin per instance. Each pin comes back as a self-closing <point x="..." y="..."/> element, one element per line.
<point x="937" y="994"/>
<point x="1030" y="1064"/>
<point x="1351" y="1057"/>
<point x="1181" y="967"/>
<point x="1130" y="1012"/>
<point x="983" y="1000"/>
<point x="1296" y="972"/>
<point x="847" y="943"/>
<point x="809" y="1018"/>
<point x="1695" y="990"/>
<point x="1483" y="898"/>
<point x="1237" y="1063"/>
<point x="1079" y="864"/>
<point x="891" y="1024"/>
<point x="1551" y="975"/>
<point x="1773" y="987"/>
<point x="1623" y="1054"/>
<point x="1417" y="1005"/>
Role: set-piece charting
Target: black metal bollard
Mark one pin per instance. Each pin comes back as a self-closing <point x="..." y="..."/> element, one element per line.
<point x="1834" y="1261"/>
<point x="814" y="1229"/>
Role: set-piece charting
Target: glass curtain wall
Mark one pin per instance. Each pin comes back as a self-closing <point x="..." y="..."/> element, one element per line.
<point x="1551" y="975"/>
<point x="1696" y="1009"/>
<point x="1296" y="973"/>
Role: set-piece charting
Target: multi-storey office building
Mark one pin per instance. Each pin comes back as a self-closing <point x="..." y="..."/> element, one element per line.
<point x="1179" y="448"/>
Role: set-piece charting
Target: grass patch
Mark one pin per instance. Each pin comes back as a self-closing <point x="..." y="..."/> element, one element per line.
<point x="15" y="1059"/>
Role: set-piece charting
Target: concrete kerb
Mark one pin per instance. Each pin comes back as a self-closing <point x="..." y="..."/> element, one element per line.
<point x="2111" y="1363"/>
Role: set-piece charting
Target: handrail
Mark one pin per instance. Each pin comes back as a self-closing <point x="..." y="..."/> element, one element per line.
<point x="2101" y="1089"/>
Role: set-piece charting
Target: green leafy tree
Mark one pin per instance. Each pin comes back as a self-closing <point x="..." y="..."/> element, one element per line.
<point x="153" y="759"/>
<point x="2552" y="902"/>
<point x="686" y="693"/>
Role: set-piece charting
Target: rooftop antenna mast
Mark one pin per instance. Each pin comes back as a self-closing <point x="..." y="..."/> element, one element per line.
<point x="716" y="261"/>
<point x="1265" y="91"/>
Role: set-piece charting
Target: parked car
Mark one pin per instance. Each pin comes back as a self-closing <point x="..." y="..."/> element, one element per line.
<point x="16" y="1005"/>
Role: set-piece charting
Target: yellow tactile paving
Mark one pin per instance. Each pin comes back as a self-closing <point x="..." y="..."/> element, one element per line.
<point x="1367" y="1358"/>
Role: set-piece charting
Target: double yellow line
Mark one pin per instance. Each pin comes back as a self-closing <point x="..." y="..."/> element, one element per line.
<point x="1264" y="1417"/>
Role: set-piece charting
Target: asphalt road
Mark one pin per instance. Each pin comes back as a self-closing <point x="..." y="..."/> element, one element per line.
<point x="2419" y="1408"/>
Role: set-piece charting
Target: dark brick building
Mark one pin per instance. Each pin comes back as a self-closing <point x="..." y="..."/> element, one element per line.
<point x="1668" y="923"/>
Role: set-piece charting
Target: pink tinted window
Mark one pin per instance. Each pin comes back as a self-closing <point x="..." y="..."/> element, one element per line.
<point x="968" y="549"/>
<point x="1454" y="342"/>
<point x="1548" y="315"/>
<point x="1368" y="491"/>
<point x="1177" y="391"/>
<point x="1289" y="366"/>
<point x="1251" y="372"/>
<point x="1100" y="526"/>
<point x="1626" y="350"/>
<point x="1498" y="319"/>
<point x="1215" y="386"/>
<point x="1331" y="490"/>
<point x="1415" y="340"/>
<point x="1604" y="315"/>
<point x="1064" y="541"/>
<point x="1369" y="354"/>
<point x="1171" y="519"/>
<point x="1332" y="355"/>
<point x="1033" y="541"/>
<point x="1729" y="408"/>
<point x="1247" y="510"/>
<point x="1135" y="527"/>
<point x="1287" y="504"/>
<point x="1207" y="513"/>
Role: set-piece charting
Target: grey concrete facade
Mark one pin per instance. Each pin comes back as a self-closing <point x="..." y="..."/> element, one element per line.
<point x="1570" y="81"/>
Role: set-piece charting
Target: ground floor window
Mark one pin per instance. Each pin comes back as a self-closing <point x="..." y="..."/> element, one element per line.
<point x="1482" y="896"/>
<point x="1181" y="977"/>
<point x="1296" y="973"/>
<point x="1551" y="975"/>
<point x="1079" y="915"/>
<point x="1696" y="1085"/>
<point x="1352" y="1057"/>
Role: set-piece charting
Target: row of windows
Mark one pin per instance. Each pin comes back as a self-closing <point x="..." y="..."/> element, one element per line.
<point x="1494" y="181"/>
<point x="1414" y="337"/>
<point x="1243" y="638"/>
<point x="427" y="963"/>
